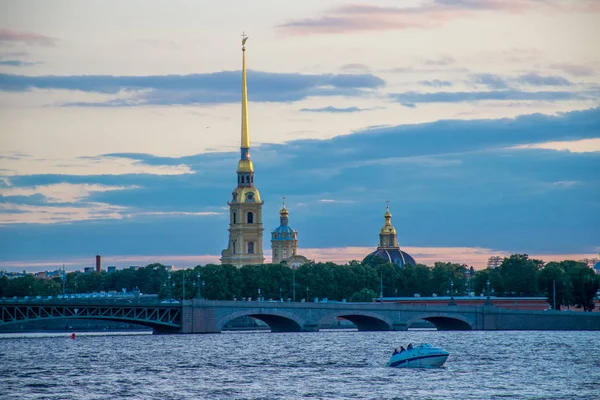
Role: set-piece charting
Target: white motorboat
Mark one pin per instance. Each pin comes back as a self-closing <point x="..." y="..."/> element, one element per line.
<point x="418" y="356"/>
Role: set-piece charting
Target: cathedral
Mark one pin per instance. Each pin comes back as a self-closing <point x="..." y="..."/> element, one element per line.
<point x="245" y="245"/>
<point x="245" y="208"/>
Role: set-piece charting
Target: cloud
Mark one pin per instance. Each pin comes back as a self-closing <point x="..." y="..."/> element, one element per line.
<point x="211" y="88"/>
<point x="355" y="68"/>
<point x="8" y="37"/>
<point x="435" y="83"/>
<point x="573" y="146"/>
<point x="490" y="80"/>
<point x="17" y="63"/>
<point x="455" y="183"/>
<point x="331" y="109"/>
<point x="430" y="14"/>
<point x="442" y="60"/>
<point x="535" y="79"/>
<point x="61" y="192"/>
<point x="509" y="94"/>
<point x="575" y="69"/>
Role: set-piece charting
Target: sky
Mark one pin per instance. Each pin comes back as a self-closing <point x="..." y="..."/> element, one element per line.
<point x="479" y="121"/>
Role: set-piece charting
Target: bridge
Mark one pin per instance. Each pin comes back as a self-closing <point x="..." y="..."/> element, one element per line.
<point x="208" y="316"/>
<point x="162" y="318"/>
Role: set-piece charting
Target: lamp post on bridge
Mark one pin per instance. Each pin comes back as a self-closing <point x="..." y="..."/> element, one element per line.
<point x="198" y="293"/>
<point x="169" y="286"/>
<point x="452" y="302"/>
<point x="488" y="301"/>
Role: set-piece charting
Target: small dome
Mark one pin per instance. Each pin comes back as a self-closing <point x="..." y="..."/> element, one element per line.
<point x="596" y="267"/>
<point x="245" y="166"/>
<point x="394" y="256"/>
<point x="283" y="232"/>
<point x="388" y="228"/>
<point x="283" y="211"/>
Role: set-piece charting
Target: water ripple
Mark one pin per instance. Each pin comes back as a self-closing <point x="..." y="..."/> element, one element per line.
<point x="326" y="365"/>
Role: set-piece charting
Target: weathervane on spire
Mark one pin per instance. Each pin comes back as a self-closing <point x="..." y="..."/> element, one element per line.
<point x="244" y="39"/>
<point x="283" y="198"/>
<point x="387" y="204"/>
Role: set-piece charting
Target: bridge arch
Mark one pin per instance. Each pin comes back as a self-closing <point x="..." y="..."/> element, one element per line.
<point x="364" y="320"/>
<point x="444" y="322"/>
<point x="278" y="321"/>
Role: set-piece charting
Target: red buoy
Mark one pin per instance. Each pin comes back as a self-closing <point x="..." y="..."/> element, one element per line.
<point x="73" y="336"/>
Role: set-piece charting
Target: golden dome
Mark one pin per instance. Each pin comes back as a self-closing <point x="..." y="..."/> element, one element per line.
<point x="246" y="195"/>
<point x="245" y="166"/>
<point x="387" y="227"/>
<point x="284" y="211"/>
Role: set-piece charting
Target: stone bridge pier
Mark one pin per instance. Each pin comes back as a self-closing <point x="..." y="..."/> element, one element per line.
<point x="207" y="316"/>
<point x="203" y="316"/>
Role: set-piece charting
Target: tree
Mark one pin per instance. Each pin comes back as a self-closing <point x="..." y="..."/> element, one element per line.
<point x="555" y="284"/>
<point x="364" y="295"/>
<point x="585" y="283"/>
<point x="519" y="275"/>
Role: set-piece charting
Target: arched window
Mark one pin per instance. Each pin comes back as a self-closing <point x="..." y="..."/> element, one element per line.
<point x="233" y="245"/>
<point x="250" y="218"/>
<point x="274" y="254"/>
<point x="284" y="254"/>
<point x="234" y="218"/>
<point x="250" y="247"/>
<point x="247" y="179"/>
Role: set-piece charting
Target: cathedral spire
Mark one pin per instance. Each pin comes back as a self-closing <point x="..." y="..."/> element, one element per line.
<point x="245" y="168"/>
<point x="245" y="133"/>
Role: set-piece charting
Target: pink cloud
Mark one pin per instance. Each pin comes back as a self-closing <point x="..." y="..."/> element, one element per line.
<point x="9" y="37"/>
<point x="361" y="17"/>
<point x="472" y="256"/>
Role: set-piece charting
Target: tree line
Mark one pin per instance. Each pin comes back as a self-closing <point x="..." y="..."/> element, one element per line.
<point x="567" y="283"/>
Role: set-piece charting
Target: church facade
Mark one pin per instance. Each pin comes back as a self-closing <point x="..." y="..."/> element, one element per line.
<point x="245" y="207"/>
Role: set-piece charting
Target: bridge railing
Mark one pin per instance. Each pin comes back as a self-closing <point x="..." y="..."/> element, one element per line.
<point x="88" y="301"/>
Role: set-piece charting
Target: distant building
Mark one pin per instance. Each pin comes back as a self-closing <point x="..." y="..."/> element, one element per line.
<point x="88" y="270"/>
<point x="134" y="267"/>
<point x="596" y="267"/>
<point x="388" y="248"/>
<point x="284" y="242"/>
<point x="494" y="262"/>
<point x="591" y="262"/>
<point x="40" y="275"/>
<point x="99" y="264"/>
<point x="111" y="269"/>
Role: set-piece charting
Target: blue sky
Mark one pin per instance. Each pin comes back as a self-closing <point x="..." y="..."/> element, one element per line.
<point x="120" y="135"/>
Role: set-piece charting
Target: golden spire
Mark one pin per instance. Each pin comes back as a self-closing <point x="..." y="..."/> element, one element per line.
<point x="245" y="163"/>
<point x="245" y="133"/>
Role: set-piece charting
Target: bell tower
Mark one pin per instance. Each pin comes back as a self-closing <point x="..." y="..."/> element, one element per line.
<point x="245" y="208"/>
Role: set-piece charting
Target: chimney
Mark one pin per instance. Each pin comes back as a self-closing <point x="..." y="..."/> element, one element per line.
<point x="99" y="264"/>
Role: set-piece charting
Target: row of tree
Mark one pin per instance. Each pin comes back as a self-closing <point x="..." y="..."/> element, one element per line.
<point x="563" y="283"/>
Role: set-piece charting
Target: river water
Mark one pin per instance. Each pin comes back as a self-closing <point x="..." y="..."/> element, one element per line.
<point x="322" y="365"/>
